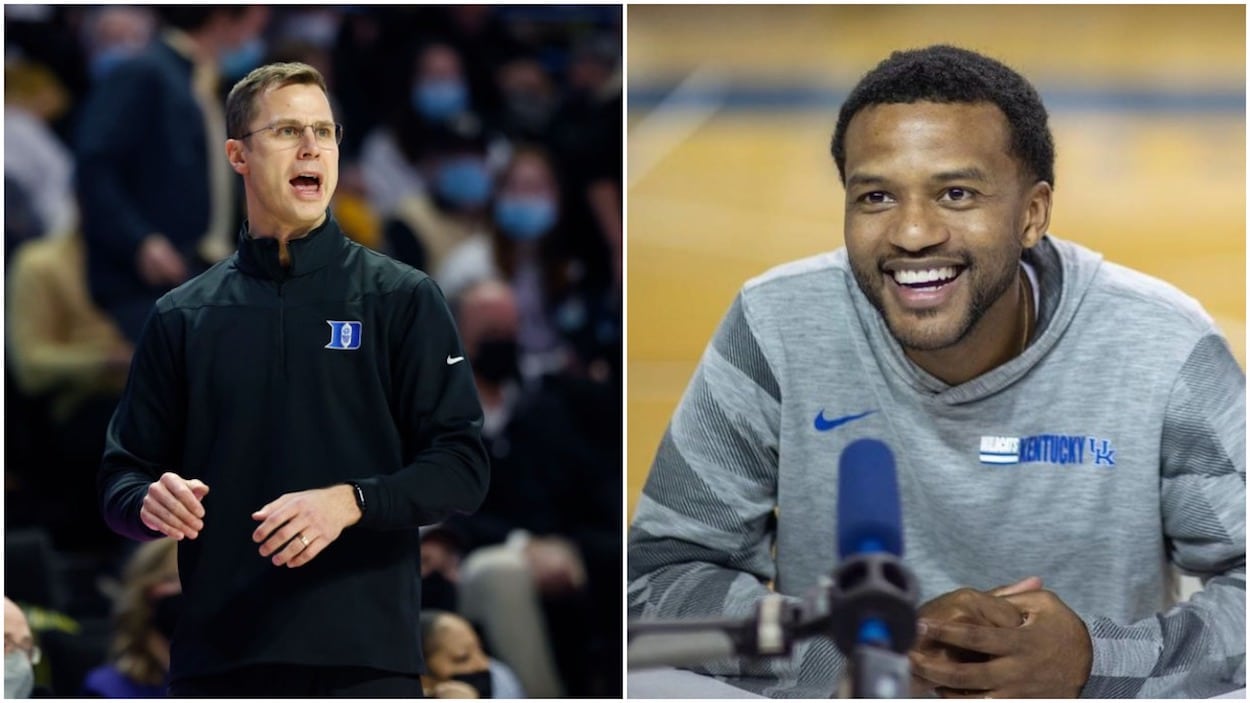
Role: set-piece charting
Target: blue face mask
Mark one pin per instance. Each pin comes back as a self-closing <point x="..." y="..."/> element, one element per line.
<point x="239" y="61"/>
<point x="525" y="218"/>
<point x="464" y="182"/>
<point x="104" y="62"/>
<point x="440" y="100"/>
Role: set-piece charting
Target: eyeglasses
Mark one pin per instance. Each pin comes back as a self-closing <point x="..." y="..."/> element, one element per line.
<point x="289" y="133"/>
<point x="33" y="653"/>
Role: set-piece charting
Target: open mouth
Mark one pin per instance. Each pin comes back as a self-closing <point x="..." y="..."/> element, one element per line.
<point x="924" y="280"/>
<point x="921" y="289"/>
<point x="307" y="185"/>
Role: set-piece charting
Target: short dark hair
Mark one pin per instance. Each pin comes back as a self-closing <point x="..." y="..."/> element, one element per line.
<point x="948" y="74"/>
<point x="241" y="102"/>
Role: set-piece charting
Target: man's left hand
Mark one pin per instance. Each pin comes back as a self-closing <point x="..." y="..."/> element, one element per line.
<point x="1048" y="656"/>
<point x="295" y="527"/>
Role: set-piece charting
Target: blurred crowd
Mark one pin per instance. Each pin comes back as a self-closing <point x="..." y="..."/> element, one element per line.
<point x="482" y="145"/>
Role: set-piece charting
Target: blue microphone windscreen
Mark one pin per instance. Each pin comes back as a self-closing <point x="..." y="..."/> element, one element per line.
<point x="869" y="510"/>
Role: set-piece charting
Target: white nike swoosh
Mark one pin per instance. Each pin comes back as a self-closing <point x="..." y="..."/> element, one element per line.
<point x="454" y="359"/>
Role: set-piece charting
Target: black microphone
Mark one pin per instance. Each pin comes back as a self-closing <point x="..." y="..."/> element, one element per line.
<point x="873" y="595"/>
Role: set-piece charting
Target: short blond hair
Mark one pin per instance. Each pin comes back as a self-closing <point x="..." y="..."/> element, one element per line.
<point x="241" y="103"/>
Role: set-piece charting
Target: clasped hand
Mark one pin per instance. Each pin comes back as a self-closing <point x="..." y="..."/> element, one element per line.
<point x="294" y="528"/>
<point x="1015" y="641"/>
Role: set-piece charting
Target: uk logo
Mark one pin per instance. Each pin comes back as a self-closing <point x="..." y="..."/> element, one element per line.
<point x="344" y="334"/>
<point x="1103" y="454"/>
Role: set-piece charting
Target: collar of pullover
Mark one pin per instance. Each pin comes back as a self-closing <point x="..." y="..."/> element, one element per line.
<point x="258" y="256"/>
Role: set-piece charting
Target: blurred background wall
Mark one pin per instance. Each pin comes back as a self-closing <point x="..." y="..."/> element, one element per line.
<point x="731" y="109"/>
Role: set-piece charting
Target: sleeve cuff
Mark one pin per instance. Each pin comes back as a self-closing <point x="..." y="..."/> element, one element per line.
<point x="1098" y="657"/>
<point x="372" y="490"/>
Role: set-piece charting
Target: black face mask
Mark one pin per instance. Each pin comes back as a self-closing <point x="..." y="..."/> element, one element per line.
<point x="165" y="612"/>
<point x="477" y="679"/>
<point x="496" y="360"/>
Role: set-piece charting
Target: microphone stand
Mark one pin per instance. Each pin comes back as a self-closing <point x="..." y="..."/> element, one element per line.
<point x="769" y="632"/>
<point x="873" y="618"/>
<point x="876" y="672"/>
<point x="868" y="608"/>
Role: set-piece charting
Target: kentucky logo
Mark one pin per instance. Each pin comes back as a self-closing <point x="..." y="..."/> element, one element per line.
<point x="1048" y="449"/>
<point x="1102" y="452"/>
<point x="344" y="334"/>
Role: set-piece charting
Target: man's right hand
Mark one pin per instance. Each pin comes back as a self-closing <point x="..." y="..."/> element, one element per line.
<point x="159" y="263"/>
<point x="173" y="506"/>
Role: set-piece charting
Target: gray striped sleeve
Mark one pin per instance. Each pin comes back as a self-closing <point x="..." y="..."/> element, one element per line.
<point x="737" y="344"/>
<point x="1198" y="648"/>
<point x="700" y="542"/>
<point x="712" y="486"/>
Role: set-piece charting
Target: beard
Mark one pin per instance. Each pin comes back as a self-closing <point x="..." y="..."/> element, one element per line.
<point x="987" y="279"/>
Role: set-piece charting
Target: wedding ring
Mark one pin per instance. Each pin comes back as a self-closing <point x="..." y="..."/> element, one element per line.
<point x="303" y="539"/>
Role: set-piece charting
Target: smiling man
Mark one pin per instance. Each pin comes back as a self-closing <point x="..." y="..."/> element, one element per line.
<point x="292" y="416"/>
<point x="1061" y="424"/>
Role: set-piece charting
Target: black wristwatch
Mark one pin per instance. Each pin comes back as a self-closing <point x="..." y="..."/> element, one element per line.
<point x="360" y="497"/>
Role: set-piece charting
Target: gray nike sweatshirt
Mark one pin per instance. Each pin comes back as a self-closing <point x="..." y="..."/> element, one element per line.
<point x="1112" y="448"/>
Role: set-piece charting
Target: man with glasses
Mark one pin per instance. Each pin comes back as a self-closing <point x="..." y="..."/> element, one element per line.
<point x="20" y="653"/>
<point x="292" y="416"/>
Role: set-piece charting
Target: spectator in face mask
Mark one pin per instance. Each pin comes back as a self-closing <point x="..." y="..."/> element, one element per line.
<point x="461" y="178"/>
<point x="145" y="615"/>
<point x="439" y="90"/>
<point x="20" y="653"/>
<point x="153" y="184"/>
<point x="426" y="228"/>
<point x="529" y="98"/>
<point x="566" y="324"/>
<point x="112" y="35"/>
<point x="392" y="155"/>
<point x="526" y="214"/>
<point x="457" y="667"/>
<point x="547" y="537"/>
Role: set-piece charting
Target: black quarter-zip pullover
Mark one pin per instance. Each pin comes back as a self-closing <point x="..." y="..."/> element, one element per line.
<point x="262" y="380"/>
